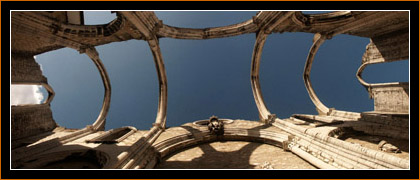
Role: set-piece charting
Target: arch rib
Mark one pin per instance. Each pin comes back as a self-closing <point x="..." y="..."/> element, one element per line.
<point x="255" y="70"/>
<point x="51" y="93"/>
<point x="135" y="153"/>
<point x="359" y="75"/>
<point x="267" y="25"/>
<point x="163" y="82"/>
<point x="318" y="40"/>
<point x="146" y="28"/>
<point x="99" y="124"/>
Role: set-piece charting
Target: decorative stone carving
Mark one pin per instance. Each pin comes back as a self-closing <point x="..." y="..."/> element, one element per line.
<point x="215" y="126"/>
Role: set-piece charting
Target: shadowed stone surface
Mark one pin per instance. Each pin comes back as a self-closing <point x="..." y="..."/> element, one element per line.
<point x="234" y="155"/>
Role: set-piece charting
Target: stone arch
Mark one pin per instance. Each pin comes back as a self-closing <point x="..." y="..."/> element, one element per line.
<point x="255" y="82"/>
<point x="99" y="124"/>
<point x="265" y="30"/>
<point x="94" y="56"/>
<point x="317" y="42"/>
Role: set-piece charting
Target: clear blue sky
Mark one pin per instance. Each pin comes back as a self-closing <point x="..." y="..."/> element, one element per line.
<point x="209" y="77"/>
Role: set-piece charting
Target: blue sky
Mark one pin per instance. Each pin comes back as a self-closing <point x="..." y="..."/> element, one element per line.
<point x="209" y="77"/>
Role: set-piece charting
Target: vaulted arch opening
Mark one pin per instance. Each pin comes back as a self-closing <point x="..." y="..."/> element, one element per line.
<point x="77" y="85"/>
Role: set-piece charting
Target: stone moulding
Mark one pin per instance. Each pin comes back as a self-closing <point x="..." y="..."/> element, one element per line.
<point x="366" y="157"/>
<point x="207" y="33"/>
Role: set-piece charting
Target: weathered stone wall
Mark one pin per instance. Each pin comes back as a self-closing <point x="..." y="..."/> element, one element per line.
<point x="26" y="70"/>
<point x="387" y="48"/>
<point x="391" y="98"/>
<point x="393" y="46"/>
<point x="388" y="125"/>
<point x="31" y="120"/>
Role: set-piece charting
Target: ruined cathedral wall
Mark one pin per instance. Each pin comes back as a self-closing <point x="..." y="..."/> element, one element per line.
<point x="25" y="69"/>
<point x="29" y="120"/>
